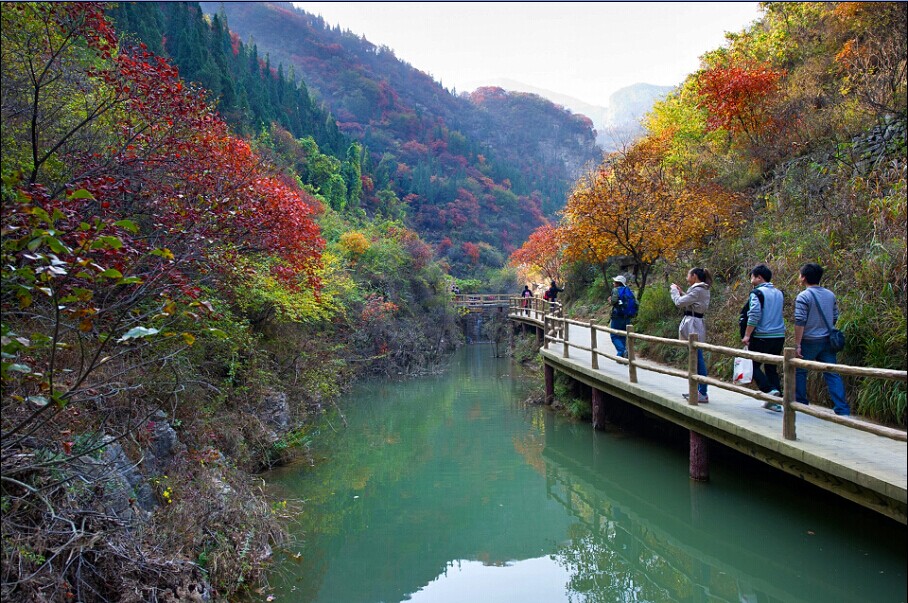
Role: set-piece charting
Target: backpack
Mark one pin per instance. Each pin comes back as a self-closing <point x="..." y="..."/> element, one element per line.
<point x="742" y="319"/>
<point x="627" y="304"/>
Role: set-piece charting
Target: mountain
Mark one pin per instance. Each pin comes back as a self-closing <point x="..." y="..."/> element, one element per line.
<point x="597" y="113"/>
<point x="476" y="173"/>
<point x="616" y="124"/>
<point x="626" y="108"/>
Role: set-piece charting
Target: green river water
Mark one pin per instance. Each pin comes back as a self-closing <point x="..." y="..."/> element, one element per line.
<point x="449" y="489"/>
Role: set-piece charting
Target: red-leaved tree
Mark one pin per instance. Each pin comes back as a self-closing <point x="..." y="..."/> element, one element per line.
<point x="542" y="252"/>
<point x="739" y="97"/>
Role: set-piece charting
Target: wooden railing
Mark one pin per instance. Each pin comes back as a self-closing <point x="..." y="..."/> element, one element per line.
<point x="533" y="307"/>
<point x="556" y="331"/>
<point x="478" y="300"/>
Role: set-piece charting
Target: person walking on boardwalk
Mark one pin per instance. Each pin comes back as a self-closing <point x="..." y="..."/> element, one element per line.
<point x="765" y="331"/>
<point x="624" y="308"/>
<point x="526" y="295"/>
<point x="816" y="313"/>
<point x="694" y="302"/>
<point x="553" y="292"/>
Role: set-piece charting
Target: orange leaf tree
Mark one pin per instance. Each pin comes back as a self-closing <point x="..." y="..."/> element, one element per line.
<point x="542" y="252"/>
<point x="632" y="205"/>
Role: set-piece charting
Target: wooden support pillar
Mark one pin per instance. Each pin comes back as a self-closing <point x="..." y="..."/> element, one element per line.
<point x="699" y="457"/>
<point x="599" y="418"/>
<point x="549" y="383"/>
<point x="539" y="335"/>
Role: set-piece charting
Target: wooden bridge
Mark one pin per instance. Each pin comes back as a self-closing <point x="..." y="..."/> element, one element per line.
<point x="858" y="460"/>
<point x="482" y="302"/>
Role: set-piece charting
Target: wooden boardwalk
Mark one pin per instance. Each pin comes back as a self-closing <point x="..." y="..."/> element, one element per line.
<point x="868" y="469"/>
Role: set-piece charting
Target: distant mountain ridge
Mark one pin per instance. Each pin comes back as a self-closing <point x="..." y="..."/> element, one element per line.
<point x="616" y="124"/>
<point x="484" y="170"/>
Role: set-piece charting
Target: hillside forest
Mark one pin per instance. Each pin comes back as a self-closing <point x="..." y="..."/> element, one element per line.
<point x="205" y="240"/>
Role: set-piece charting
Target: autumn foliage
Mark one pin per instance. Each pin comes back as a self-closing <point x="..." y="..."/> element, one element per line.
<point x="632" y="205"/>
<point x="542" y="253"/>
<point x="738" y="97"/>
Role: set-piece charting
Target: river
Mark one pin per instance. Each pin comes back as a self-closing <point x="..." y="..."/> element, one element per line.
<point x="449" y="489"/>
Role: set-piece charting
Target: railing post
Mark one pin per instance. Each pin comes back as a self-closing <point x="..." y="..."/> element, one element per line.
<point x="631" y="355"/>
<point x="595" y="357"/>
<point x="545" y="332"/>
<point x="788" y="385"/>
<point x="692" y="391"/>
<point x="564" y="336"/>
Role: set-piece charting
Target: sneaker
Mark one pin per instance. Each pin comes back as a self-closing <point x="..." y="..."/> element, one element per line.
<point x="774" y="392"/>
<point x="701" y="398"/>
<point x="772" y="406"/>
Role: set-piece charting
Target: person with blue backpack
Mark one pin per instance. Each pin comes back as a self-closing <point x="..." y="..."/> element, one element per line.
<point x="624" y="309"/>
<point x="694" y="302"/>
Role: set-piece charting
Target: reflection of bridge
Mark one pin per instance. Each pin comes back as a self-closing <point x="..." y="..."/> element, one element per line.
<point x="867" y="464"/>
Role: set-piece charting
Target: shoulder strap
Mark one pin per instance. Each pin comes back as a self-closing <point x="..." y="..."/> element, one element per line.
<point x="816" y="301"/>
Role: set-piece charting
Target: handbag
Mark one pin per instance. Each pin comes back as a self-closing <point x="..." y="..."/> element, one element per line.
<point x="743" y="372"/>
<point x="836" y="337"/>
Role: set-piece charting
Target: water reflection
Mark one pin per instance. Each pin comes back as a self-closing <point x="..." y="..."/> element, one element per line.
<point x="449" y="489"/>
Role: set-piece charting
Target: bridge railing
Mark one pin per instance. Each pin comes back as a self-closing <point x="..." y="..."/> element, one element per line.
<point x="533" y="308"/>
<point x="556" y="331"/>
<point x="480" y="300"/>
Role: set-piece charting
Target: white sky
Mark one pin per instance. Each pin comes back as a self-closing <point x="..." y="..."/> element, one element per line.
<point x="586" y="50"/>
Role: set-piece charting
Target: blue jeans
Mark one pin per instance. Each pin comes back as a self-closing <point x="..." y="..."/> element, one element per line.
<point x="701" y="370"/>
<point x="818" y="349"/>
<point x="620" y="341"/>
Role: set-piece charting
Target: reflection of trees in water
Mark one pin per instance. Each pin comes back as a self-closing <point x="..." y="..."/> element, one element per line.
<point x="613" y="557"/>
<point x="496" y="330"/>
<point x="530" y="447"/>
<point x="612" y="565"/>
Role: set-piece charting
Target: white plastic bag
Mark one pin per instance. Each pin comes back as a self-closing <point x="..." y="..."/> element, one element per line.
<point x="744" y="371"/>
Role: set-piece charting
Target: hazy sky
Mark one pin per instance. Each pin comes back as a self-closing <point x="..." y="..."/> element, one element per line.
<point x="582" y="49"/>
